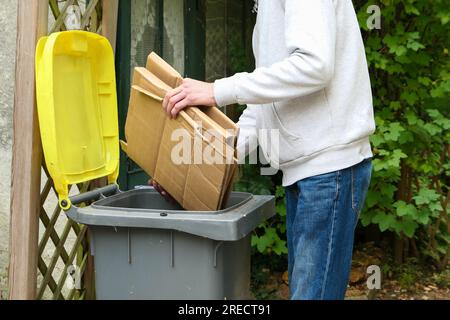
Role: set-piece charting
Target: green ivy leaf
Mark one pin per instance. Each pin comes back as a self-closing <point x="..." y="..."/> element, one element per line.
<point x="412" y="118"/>
<point x="266" y="240"/>
<point x="410" y="97"/>
<point x="424" y="80"/>
<point x="385" y="221"/>
<point x="395" y="105"/>
<point x="280" y="247"/>
<point x="435" y="206"/>
<point x="394" y="131"/>
<point x="280" y="192"/>
<point x="411" y="9"/>
<point x="409" y="227"/>
<point x="405" y="209"/>
<point x="432" y="129"/>
<point x="406" y="137"/>
<point x="281" y="208"/>
<point x="426" y="196"/>
<point x="423" y="218"/>
<point x="377" y="140"/>
<point x="388" y="190"/>
<point x="373" y="197"/>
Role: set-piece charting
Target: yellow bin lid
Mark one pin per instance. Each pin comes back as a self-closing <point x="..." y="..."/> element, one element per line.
<point x="77" y="108"/>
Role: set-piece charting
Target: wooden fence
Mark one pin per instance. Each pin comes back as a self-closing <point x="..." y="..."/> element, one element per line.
<point x="49" y="256"/>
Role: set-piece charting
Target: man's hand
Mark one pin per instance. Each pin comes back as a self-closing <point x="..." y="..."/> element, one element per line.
<point x="190" y="93"/>
<point x="161" y="190"/>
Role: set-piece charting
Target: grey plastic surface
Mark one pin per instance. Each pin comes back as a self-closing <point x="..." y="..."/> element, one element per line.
<point x="95" y="194"/>
<point x="147" y="209"/>
<point x="147" y="248"/>
<point x="155" y="264"/>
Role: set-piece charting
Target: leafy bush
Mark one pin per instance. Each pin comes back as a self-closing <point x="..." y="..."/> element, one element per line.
<point x="409" y="65"/>
<point x="270" y="237"/>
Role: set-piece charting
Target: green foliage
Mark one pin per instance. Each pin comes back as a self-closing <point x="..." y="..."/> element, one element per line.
<point x="270" y="236"/>
<point x="409" y="64"/>
<point x="442" y="279"/>
<point x="272" y="233"/>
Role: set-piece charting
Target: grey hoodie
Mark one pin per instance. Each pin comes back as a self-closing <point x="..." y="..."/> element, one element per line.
<point x="311" y="83"/>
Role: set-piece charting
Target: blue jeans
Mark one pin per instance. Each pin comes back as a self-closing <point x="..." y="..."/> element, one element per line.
<point x="322" y="214"/>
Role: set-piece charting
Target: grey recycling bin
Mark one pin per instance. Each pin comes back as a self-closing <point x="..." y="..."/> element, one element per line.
<point x="147" y="248"/>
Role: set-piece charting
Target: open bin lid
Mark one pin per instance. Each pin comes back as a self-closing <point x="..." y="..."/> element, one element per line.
<point x="77" y="109"/>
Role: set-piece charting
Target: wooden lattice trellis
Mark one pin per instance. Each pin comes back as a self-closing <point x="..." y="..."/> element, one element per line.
<point x="62" y="251"/>
<point x="75" y="258"/>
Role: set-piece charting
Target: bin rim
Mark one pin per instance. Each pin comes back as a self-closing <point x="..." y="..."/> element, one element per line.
<point x="122" y="194"/>
<point x="232" y="224"/>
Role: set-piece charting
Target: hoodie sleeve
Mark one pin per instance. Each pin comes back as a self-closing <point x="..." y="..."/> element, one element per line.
<point x="310" y="32"/>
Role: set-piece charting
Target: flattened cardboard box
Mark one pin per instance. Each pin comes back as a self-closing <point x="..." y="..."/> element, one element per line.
<point x="197" y="184"/>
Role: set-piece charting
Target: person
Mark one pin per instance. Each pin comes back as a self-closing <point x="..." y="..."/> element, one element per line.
<point x="312" y="84"/>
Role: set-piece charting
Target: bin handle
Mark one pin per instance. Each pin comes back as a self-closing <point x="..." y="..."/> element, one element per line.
<point x="94" y="195"/>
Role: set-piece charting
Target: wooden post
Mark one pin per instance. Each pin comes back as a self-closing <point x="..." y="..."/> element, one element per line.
<point x="109" y="20"/>
<point x="32" y="23"/>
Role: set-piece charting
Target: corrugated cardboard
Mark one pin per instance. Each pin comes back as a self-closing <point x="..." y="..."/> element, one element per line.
<point x="196" y="185"/>
<point x="163" y="70"/>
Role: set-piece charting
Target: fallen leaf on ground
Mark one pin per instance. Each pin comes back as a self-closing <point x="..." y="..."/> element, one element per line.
<point x="357" y="275"/>
<point x="285" y="277"/>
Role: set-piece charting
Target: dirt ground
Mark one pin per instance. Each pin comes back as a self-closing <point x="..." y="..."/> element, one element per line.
<point x="410" y="281"/>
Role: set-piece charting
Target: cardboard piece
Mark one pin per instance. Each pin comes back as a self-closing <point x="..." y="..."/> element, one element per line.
<point x="200" y="179"/>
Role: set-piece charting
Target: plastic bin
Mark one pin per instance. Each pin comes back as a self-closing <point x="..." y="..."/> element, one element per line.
<point x="147" y="248"/>
<point x="144" y="247"/>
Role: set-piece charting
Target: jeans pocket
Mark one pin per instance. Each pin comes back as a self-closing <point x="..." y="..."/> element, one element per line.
<point x="361" y="176"/>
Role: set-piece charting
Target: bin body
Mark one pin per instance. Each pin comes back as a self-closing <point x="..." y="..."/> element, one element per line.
<point x="147" y="248"/>
<point x="144" y="247"/>
<point x="161" y="264"/>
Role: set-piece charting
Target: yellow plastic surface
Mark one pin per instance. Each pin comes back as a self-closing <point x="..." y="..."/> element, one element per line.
<point x="77" y="108"/>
